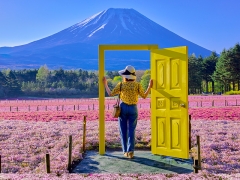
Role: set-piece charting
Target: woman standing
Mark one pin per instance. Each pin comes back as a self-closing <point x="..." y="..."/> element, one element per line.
<point x="130" y="89"/>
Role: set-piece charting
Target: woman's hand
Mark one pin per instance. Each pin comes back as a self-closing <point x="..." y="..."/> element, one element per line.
<point x="104" y="80"/>
<point x="150" y="83"/>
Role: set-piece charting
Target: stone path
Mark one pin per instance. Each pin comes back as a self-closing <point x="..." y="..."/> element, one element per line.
<point x="143" y="162"/>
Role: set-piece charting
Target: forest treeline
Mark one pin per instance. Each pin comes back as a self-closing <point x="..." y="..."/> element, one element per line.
<point x="210" y="74"/>
<point x="215" y="73"/>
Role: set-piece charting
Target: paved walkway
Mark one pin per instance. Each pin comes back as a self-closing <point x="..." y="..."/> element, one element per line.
<point x="143" y="162"/>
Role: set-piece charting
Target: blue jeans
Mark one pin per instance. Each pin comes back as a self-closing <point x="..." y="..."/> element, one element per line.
<point x="127" y="122"/>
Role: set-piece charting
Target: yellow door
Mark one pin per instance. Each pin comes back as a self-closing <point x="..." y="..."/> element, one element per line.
<point x="169" y="102"/>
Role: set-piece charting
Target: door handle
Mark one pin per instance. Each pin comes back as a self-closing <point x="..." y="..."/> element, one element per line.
<point x="182" y="105"/>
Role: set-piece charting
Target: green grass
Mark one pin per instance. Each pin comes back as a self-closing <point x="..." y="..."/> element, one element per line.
<point x="232" y="93"/>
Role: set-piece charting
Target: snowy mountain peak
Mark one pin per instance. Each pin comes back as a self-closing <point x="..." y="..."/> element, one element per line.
<point x="89" y="20"/>
<point x="114" y="22"/>
<point x="111" y="26"/>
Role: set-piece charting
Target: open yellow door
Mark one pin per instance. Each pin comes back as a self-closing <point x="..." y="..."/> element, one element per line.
<point x="169" y="102"/>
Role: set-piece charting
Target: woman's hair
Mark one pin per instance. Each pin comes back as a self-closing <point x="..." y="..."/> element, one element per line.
<point x="129" y="79"/>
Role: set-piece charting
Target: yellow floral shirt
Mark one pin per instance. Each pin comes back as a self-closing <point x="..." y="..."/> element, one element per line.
<point x="129" y="92"/>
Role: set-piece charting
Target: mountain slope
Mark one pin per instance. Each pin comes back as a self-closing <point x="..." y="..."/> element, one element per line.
<point x="77" y="46"/>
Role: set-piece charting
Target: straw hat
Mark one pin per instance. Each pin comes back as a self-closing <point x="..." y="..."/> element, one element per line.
<point x="128" y="72"/>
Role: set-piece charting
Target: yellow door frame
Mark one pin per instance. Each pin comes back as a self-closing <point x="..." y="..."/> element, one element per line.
<point x="101" y="68"/>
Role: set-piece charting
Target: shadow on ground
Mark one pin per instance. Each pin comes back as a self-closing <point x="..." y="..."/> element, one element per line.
<point x="143" y="162"/>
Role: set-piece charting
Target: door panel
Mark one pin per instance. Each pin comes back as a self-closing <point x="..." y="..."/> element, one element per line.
<point x="169" y="98"/>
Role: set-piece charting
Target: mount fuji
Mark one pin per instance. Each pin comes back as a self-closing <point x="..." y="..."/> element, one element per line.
<point x="77" y="46"/>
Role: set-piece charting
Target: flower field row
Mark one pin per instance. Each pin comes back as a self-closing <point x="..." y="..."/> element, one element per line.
<point x="25" y="143"/>
<point x="93" y="104"/>
<point x="62" y="107"/>
<point x="124" y="176"/>
<point x="226" y="113"/>
<point x="213" y="97"/>
<point x="213" y="101"/>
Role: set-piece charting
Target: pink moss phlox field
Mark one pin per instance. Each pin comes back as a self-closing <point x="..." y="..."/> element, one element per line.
<point x="85" y="104"/>
<point x="112" y="176"/>
<point x="29" y="141"/>
<point x="214" y="101"/>
<point x="24" y="145"/>
<point x="68" y="104"/>
<point x="75" y="109"/>
<point x="26" y="136"/>
<point x="226" y="113"/>
<point x="144" y="114"/>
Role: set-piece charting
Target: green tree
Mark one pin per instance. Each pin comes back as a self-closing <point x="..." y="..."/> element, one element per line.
<point x="42" y="74"/>
<point x="112" y="74"/>
<point x="145" y="79"/>
<point x="85" y="75"/>
<point x="194" y="74"/>
<point x="26" y="75"/>
<point x="236" y="65"/>
<point x="3" y="85"/>
<point x="116" y="80"/>
<point x="71" y="78"/>
<point x="59" y="75"/>
<point x="80" y="72"/>
<point x="209" y="66"/>
<point x="14" y="88"/>
<point x="222" y="74"/>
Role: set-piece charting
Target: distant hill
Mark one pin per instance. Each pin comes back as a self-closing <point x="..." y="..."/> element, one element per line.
<point x="77" y="46"/>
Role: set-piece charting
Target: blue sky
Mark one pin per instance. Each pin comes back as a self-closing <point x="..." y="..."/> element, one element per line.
<point x="214" y="25"/>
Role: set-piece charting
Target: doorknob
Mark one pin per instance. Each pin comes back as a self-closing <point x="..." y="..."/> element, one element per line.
<point x="182" y="105"/>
